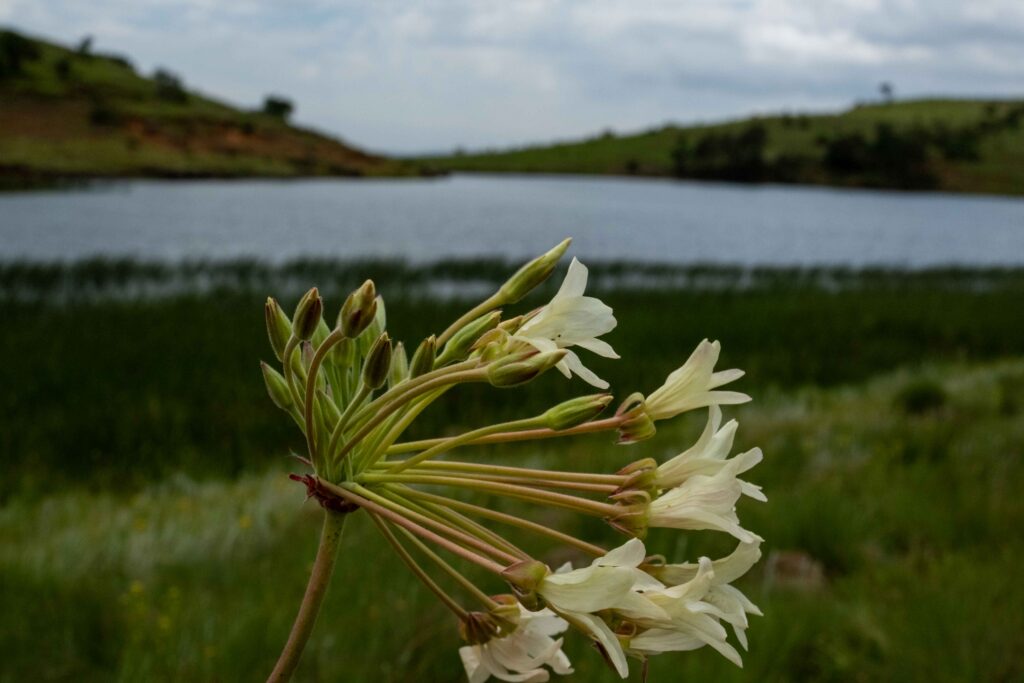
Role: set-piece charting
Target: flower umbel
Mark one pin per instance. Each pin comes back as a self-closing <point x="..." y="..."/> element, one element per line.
<point x="354" y="393"/>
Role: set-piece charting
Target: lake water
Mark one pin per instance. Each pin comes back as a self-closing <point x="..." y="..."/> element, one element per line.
<point x="513" y="217"/>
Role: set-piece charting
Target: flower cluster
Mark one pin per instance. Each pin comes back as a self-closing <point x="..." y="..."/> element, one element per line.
<point x="354" y="393"/>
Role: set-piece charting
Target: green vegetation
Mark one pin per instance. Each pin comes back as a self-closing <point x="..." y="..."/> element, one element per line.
<point x="952" y="145"/>
<point x="150" y="533"/>
<point x="905" y="527"/>
<point x="74" y="113"/>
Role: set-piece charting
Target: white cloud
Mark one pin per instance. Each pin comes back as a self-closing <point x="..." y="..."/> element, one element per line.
<point x="430" y="75"/>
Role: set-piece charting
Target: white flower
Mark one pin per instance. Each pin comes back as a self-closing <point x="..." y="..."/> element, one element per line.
<point x="693" y="620"/>
<point x="612" y="583"/>
<point x="708" y="502"/>
<point x="521" y="655"/>
<point x="691" y="385"/>
<point x="732" y="604"/>
<point x="708" y="457"/>
<point x="571" y="319"/>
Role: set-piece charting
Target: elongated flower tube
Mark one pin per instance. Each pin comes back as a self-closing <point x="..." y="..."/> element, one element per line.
<point x="571" y="319"/>
<point x="708" y="502"/>
<point x="354" y="395"/>
<point x="692" y="385"/>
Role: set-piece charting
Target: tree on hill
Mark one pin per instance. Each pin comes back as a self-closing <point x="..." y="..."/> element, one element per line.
<point x="278" y="107"/>
<point x="169" y="86"/>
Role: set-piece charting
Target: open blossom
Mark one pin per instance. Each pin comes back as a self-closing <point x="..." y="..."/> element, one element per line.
<point x="708" y="502"/>
<point x="732" y="604"/>
<point x="709" y="456"/>
<point x="691" y="385"/>
<point x="520" y="656"/>
<point x="612" y="583"/>
<point x="571" y="319"/>
<point x="693" y="621"/>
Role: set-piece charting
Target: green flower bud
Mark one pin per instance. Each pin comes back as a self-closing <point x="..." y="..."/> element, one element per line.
<point x="399" y="365"/>
<point x="307" y="315"/>
<point x="459" y="345"/>
<point x="279" y="327"/>
<point x="359" y="310"/>
<point x="576" y="411"/>
<point x="423" y="360"/>
<point x="532" y="274"/>
<point x="277" y="387"/>
<point x="378" y="362"/>
<point x="521" y="368"/>
<point x="637" y="425"/>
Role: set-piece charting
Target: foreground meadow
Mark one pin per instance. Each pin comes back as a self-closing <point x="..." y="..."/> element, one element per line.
<point x="148" y="530"/>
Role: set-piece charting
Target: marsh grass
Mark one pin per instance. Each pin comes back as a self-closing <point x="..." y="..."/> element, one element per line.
<point x="913" y="519"/>
<point x="119" y="373"/>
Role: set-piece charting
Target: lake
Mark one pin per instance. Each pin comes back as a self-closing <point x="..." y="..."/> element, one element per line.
<point x="513" y="217"/>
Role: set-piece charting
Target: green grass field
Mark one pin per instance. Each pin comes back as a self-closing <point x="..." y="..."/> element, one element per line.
<point x="1000" y="168"/>
<point x="149" y="531"/>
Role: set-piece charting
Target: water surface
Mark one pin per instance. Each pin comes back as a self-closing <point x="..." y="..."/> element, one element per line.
<point x="512" y="217"/>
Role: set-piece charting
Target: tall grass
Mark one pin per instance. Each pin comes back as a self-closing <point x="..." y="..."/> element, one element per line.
<point x="912" y="515"/>
<point x="118" y="373"/>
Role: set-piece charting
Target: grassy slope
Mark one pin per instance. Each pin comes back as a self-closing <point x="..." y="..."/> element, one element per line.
<point x="104" y="119"/>
<point x="1000" y="170"/>
<point x="914" y="517"/>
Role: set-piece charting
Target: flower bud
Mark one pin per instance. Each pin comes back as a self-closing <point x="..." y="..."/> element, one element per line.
<point x="378" y="362"/>
<point x="307" y="315"/>
<point x="423" y="360"/>
<point x="277" y="387"/>
<point x="399" y="370"/>
<point x="359" y="310"/>
<point x="279" y="327"/>
<point x="576" y="411"/>
<point x="532" y="274"/>
<point x="512" y="325"/>
<point x="525" y="577"/>
<point x="462" y="341"/>
<point x="636" y="425"/>
<point x="521" y="368"/>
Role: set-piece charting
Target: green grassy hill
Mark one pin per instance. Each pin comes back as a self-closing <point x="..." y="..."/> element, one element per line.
<point x="948" y="144"/>
<point x="72" y="113"/>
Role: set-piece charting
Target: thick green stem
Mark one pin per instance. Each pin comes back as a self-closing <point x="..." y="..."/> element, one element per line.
<point x="323" y="566"/>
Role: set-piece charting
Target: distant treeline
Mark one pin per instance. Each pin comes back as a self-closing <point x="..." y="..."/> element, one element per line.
<point x="889" y="156"/>
<point x="113" y="392"/>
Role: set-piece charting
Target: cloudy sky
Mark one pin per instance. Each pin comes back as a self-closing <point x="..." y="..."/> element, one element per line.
<point x="432" y="75"/>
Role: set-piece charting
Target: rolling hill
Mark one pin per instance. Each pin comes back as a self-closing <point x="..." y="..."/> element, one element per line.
<point x="71" y="113"/>
<point x="954" y="145"/>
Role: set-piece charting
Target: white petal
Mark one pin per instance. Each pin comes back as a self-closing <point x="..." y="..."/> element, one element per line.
<point x="574" y="363"/>
<point x="598" y="346"/>
<point x="575" y="281"/>
<point x="608" y="640"/>
<point x="629" y="554"/>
